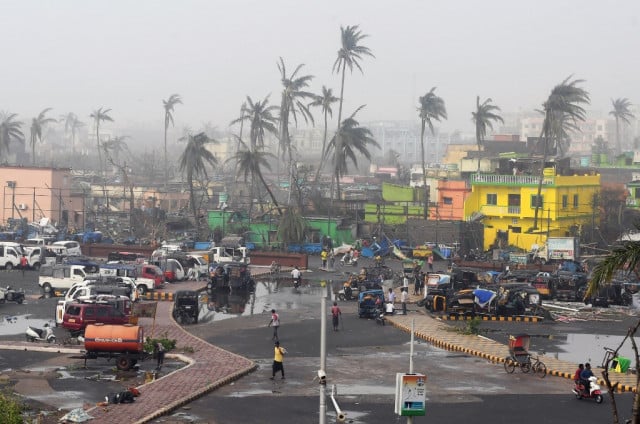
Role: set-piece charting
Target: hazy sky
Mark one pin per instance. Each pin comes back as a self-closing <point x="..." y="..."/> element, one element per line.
<point x="129" y="55"/>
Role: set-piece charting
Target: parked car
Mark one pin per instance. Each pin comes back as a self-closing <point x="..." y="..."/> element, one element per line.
<point x="78" y="315"/>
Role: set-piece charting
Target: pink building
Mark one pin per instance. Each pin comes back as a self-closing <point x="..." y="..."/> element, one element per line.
<point x="451" y="197"/>
<point x="34" y="193"/>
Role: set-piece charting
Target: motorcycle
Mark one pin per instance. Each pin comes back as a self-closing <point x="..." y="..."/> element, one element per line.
<point x="10" y="295"/>
<point x="594" y="390"/>
<point x="296" y="283"/>
<point x="40" y="334"/>
<point x="381" y="319"/>
<point x="348" y="260"/>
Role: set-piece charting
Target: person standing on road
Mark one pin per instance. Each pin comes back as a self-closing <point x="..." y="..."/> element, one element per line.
<point x="336" y="314"/>
<point x="23" y="264"/>
<point x="295" y="274"/>
<point x="159" y="350"/>
<point x="405" y="282"/>
<point x="430" y="262"/>
<point x="275" y="323"/>
<point x="404" y="296"/>
<point x="278" y="360"/>
<point x="324" y="256"/>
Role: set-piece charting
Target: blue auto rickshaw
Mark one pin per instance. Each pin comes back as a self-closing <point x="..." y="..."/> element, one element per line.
<point x="370" y="303"/>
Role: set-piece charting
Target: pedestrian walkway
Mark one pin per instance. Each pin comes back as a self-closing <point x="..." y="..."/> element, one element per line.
<point x="446" y="337"/>
<point x="208" y="368"/>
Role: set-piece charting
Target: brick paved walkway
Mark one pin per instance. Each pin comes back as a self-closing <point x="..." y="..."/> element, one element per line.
<point x="210" y="368"/>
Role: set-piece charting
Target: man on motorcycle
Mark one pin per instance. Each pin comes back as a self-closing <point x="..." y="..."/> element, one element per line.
<point x="584" y="377"/>
<point x="295" y="274"/>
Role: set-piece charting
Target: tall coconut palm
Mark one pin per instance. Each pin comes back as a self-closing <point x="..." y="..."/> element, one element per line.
<point x="168" y="106"/>
<point x="483" y="117"/>
<point x="351" y="139"/>
<point x="324" y="101"/>
<point x="9" y="131"/>
<point x="193" y="161"/>
<point x="100" y="115"/>
<point x="349" y="55"/>
<point x="260" y="117"/>
<point x="37" y="125"/>
<point x="431" y="108"/>
<point x="72" y="124"/>
<point x="292" y="227"/>
<point x="622" y="113"/>
<point x="625" y="258"/>
<point x="116" y="145"/>
<point x="250" y="162"/>
<point x="563" y="107"/>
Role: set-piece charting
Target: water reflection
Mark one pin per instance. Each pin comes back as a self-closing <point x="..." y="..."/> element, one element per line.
<point x="580" y="348"/>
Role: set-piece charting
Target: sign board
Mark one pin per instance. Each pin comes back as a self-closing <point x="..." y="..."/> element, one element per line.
<point x="562" y="247"/>
<point x="144" y="309"/>
<point x="411" y="394"/>
<point x="518" y="258"/>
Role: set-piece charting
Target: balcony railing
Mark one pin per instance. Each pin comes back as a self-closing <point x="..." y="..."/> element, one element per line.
<point x="510" y="179"/>
<point x="491" y="210"/>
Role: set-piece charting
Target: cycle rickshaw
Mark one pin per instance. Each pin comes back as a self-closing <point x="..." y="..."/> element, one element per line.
<point x="519" y="356"/>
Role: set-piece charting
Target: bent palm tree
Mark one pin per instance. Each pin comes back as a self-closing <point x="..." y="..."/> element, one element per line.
<point x="483" y="117"/>
<point x="37" y="125"/>
<point x="9" y="131"/>
<point x="562" y="108"/>
<point x="622" y="113"/>
<point x="72" y="124"/>
<point x="350" y="140"/>
<point x="168" y="106"/>
<point x="261" y="120"/>
<point x="100" y="115"/>
<point x="349" y="55"/>
<point x="116" y="145"/>
<point x="194" y="162"/>
<point x="250" y="163"/>
<point x="431" y="108"/>
<point x="324" y="101"/>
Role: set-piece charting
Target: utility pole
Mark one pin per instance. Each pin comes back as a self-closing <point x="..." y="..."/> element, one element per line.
<point x="323" y="360"/>
<point x="413" y="323"/>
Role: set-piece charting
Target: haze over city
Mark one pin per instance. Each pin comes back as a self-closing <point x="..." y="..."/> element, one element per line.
<point x="76" y="56"/>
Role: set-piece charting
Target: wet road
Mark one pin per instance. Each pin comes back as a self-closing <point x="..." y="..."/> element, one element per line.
<point x="362" y="361"/>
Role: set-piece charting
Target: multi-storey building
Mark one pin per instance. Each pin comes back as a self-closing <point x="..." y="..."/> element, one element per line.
<point x="506" y="204"/>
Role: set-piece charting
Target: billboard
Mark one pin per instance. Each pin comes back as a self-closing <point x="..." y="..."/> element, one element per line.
<point x="411" y="394"/>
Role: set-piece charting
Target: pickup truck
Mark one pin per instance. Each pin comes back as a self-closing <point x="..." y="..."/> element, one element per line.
<point x="60" y="278"/>
<point x="229" y="254"/>
<point x="143" y="284"/>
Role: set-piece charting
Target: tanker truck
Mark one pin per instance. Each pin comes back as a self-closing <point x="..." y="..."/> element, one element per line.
<point x="125" y="343"/>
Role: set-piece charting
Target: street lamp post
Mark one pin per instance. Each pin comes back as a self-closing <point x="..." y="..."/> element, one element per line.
<point x="12" y="186"/>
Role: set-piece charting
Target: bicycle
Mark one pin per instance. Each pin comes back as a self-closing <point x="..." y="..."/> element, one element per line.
<point x="525" y="363"/>
<point x="538" y="367"/>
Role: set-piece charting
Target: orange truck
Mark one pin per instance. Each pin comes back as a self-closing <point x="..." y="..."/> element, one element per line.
<point x="125" y="343"/>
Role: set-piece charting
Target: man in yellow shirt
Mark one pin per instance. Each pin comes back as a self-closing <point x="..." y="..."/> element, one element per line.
<point x="324" y="256"/>
<point x="278" y="357"/>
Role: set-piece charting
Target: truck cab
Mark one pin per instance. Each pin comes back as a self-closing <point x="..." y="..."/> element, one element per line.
<point x="10" y="254"/>
<point x="129" y="271"/>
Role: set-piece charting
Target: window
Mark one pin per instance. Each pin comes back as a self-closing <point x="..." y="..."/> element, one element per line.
<point x="447" y="200"/>
<point x="492" y="199"/>
<point x="575" y="200"/>
<point x="565" y="201"/>
<point x="637" y="193"/>
<point x="537" y="201"/>
<point x="516" y="229"/>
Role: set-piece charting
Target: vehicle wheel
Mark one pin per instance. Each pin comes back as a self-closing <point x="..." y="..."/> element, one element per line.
<point x="20" y="301"/>
<point x="509" y="365"/>
<point x="9" y="297"/>
<point x="46" y="288"/>
<point x="36" y="266"/>
<point x="52" y="340"/>
<point x="142" y="290"/>
<point x="30" y="339"/>
<point x="525" y="367"/>
<point x="8" y="266"/>
<point x="124" y="363"/>
<point x="578" y="395"/>
<point x="342" y="297"/>
<point x="541" y="370"/>
<point x="599" y="398"/>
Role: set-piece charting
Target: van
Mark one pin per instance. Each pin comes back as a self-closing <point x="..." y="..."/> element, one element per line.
<point x="78" y="315"/>
<point x="73" y="247"/>
<point x="10" y="254"/>
<point x="152" y="272"/>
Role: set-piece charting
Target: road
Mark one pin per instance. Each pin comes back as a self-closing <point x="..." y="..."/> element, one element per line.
<point x="362" y="361"/>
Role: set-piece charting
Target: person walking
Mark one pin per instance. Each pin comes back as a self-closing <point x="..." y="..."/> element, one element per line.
<point x="404" y="296"/>
<point x="278" y="360"/>
<point x="336" y="314"/>
<point x="430" y="262"/>
<point x="275" y="323"/>
<point x="159" y="351"/>
<point x="405" y="282"/>
<point x="332" y="259"/>
<point x="324" y="256"/>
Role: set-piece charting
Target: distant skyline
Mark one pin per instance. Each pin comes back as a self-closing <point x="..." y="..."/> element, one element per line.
<point x="77" y="56"/>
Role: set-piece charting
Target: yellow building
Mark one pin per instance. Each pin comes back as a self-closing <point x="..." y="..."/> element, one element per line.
<point x="506" y="206"/>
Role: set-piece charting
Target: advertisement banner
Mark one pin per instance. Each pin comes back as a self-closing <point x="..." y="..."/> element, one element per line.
<point x="411" y="394"/>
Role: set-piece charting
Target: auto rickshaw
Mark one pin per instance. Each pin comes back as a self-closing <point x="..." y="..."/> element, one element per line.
<point x="185" y="307"/>
<point x="370" y="303"/>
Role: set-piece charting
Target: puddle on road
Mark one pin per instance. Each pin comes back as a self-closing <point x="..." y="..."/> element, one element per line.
<point x="581" y="348"/>
<point x="17" y="324"/>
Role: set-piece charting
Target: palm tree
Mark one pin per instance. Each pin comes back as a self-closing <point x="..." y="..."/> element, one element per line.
<point x="349" y="55"/>
<point x="625" y="258"/>
<point x="116" y="145"/>
<point x="352" y="139"/>
<point x="431" y="108"/>
<point x="261" y="120"/>
<point x="324" y="101"/>
<point x="250" y="163"/>
<point x="562" y="109"/>
<point x="9" y="130"/>
<point x="168" y="106"/>
<point x="483" y="117"/>
<point x="292" y="227"/>
<point x="622" y="113"/>
<point x="37" y="124"/>
<point x="98" y="116"/>
<point x="72" y="124"/>
<point x="193" y="161"/>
